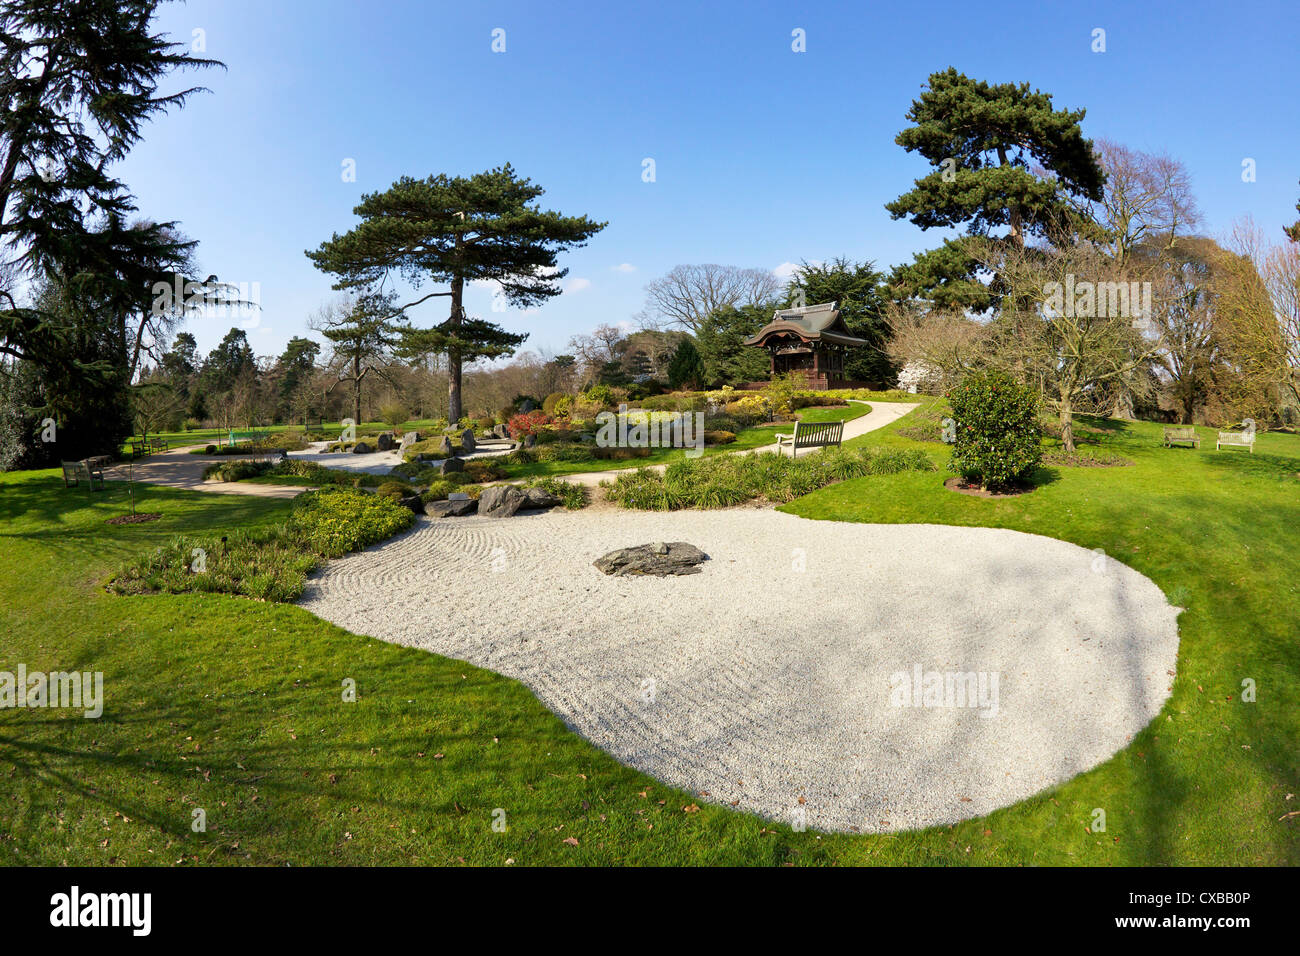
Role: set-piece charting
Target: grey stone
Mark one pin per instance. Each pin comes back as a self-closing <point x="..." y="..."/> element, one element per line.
<point x="467" y="443"/>
<point x="501" y="501"/>
<point x="451" y="464"/>
<point x="501" y="431"/>
<point x="385" y="441"/>
<point x="458" y="496"/>
<point x="451" y="508"/>
<point x="445" y="448"/>
<point x="526" y="405"/>
<point x="677" y="557"/>
<point x="361" y="448"/>
<point x="539" y="498"/>
<point x="413" y="502"/>
<point x="409" y="439"/>
<point x="529" y="441"/>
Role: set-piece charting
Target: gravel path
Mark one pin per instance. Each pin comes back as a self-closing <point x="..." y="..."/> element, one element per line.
<point x="761" y="684"/>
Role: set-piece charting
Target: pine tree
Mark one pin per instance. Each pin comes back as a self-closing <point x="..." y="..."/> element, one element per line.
<point x="457" y="230"/>
<point x="985" y="142"/>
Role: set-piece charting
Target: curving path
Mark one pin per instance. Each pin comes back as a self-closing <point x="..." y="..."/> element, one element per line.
<point x="881" y="414"/>
<point x="763" y="685"/>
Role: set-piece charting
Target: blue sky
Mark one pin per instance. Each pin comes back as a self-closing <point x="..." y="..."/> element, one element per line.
<point x="763" y="156"/>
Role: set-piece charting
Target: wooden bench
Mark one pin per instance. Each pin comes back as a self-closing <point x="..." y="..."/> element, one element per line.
<point x="1183" y="434"/>
<point x="810" y="435"/>
<point x="1236" y="440"/>
<point x="90" y="470"/>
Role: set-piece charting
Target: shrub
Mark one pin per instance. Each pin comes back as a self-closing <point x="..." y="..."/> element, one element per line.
<point x="192" y="424"/>
<point x="528" y="423"/>
<point x="395" y="490"/>
<point x="393" y="414"/>
<point x="438" y="490"/>
<point x="717" y="437"/>
<point x="236" y="470"/>
<point x="998" y="437"/>
<point x="781" y="393"/>
<point x="210" y="450"/>
<point x="333" y="521"/>
<point x="750" y="410"/>
<point x="572" y="494"/>
<point x="481" y="469"/>
<point x="601" y="395"/>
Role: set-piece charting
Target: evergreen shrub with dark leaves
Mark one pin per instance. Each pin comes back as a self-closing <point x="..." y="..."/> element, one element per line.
<point x="998" y="435"/>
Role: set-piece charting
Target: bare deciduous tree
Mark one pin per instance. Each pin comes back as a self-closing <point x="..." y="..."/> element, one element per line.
<point x="688" y="293"/>
<point x="1145" y="195"/>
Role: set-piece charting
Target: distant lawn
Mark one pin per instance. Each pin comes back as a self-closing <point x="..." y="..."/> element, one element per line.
<point x="235" y="706"/>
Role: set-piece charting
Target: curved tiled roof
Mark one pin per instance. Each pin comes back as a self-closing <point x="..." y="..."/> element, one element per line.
<point x="812" y="323"/>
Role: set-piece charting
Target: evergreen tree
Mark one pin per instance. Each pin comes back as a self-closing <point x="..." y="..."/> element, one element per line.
<point x="857" y="287"/>
<point x="79" y="78"/>
<point x="686" y="368"/>
<point x="721" y="344"/>
<point x="985" y="142"/>
<point x="457" y="230"/>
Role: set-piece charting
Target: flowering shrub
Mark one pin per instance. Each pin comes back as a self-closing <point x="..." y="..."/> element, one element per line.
<point x="528" y="423"/>
<point x="998" y="435"/>
<point x="750" y="410"/>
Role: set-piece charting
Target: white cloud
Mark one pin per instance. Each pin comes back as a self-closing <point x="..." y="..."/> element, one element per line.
<point x="577" y="285"/>
<point x="785" y="270"/>
<point x="624" y="267"/>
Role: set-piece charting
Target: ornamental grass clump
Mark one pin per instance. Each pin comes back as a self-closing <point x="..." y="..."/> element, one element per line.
<point x="998" y="436"/>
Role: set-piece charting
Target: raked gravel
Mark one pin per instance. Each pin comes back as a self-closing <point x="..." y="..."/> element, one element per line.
<point x="760" y="683"/>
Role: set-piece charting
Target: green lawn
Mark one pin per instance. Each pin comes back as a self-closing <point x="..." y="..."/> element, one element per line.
<point x="235" y="706"/>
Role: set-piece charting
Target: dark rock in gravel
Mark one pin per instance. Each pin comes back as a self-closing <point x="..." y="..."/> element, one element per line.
<point x="414" y="503"/>
<point x="361" y="448"/>
<point x="539" y="498"/>
<point x="385" y="441"/>
<point x="451" y="464"/>
<point x="451" y="508"/>
<point x="501" y="501"/>
<point x="659" y="559"/>
<point x="467" y="442"/>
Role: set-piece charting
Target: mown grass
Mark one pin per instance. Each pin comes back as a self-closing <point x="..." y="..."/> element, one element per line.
<point x="235" y="706"/>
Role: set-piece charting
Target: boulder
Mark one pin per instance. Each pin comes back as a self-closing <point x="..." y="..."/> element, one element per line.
<point x="500" y="431"/>
<point x="660" y="559"/>
<point x="467" y="443"/>
<point x="458" y="496"/>
<point x="385" y="441"/>
<point x="451" y="508"/>
<point x="451" y="464"/>
<point x="409" y="439"/>
<point x="501" y="501"/>
<point x="445" y="448"/>
<point x="528" y="441"/>
<point x="361" y="448"/>
<point x="538" y="498"/>
<point x="413" y="502"/>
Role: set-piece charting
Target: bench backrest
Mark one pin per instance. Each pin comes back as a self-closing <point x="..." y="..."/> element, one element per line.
<point x="1236" y="438"/>
<point x="810" y="434"/>
<point x="74" y="469"/>
<point x="1180" y="432"/>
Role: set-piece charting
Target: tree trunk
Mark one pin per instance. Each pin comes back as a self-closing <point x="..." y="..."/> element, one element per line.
<point x="356" y="388"/>
<point x="453" y="354"/>
<point x="1067" y="423"/>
